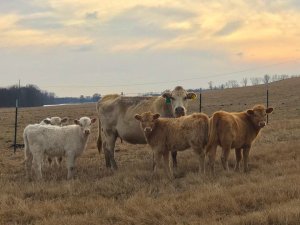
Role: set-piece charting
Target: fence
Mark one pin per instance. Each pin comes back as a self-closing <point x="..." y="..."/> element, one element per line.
<point x="15" y="145"/>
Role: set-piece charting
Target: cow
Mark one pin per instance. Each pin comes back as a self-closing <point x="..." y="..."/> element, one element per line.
<point x="54" y="121"/>
<point x="116" y="118"/>
<point x="55" y="141"/>
<point x="175" y="134"/>
<point x="235" y="130"/>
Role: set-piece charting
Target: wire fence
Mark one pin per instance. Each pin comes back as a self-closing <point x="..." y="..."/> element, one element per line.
<point x="201" y="107"/>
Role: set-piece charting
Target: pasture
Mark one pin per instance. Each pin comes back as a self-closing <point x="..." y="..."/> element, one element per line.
<point x="268" y="194"/>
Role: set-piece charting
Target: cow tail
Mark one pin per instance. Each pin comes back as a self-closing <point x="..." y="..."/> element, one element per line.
<point x="212" y="133"/>
<point x="206" y="130"/>
<point x="99" y="140"/>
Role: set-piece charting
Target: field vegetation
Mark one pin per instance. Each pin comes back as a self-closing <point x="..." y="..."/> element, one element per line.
<point x="268" y="194"/>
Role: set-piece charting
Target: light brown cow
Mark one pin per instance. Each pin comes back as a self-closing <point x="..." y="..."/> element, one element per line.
<point x="235" y="130"/>
<point x="116" y="118"/>
<point x="175" y="134"/>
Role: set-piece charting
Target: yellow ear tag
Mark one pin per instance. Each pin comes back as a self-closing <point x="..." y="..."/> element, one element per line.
<point x="193" y="97"/>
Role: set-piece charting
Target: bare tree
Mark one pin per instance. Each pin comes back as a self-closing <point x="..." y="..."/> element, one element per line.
<point x="255" y="80"/>
<point x="244" y="81"/>
<point x="275" y="78"/>
<point x="266" y="79"/>
<point x="232" y="84"/>
<point x="210" y="85"/>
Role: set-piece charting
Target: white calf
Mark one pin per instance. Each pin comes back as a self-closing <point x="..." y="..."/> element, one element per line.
<point x="55" y="141"/>
<point x="54" y="121"/>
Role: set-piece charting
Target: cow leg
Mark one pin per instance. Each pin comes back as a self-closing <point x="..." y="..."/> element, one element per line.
<point x="245" y="157"/>
<point x="224" y="157"/>
<point x="238" y="156"/>
<point x="108" y="146"/>
<point x="37" y="166"/>
<point x="28" y="164"/>
<point x="157" y="160"/>
<point x="167" y="167"/>
<point x="174" y="158"/>
<point x="153" y="161"/>
<point x="49" y="161"/>
<point x="70" y="161"/>
<point x="201" y="155"/>
<point x="58" y="161"/>
<point x="212" y="150"/>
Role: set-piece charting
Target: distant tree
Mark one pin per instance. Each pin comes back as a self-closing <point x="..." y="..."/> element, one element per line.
<point x="275" y="78"/>
<point x="210" y="85"/>
<point x="283" y="77"/>
<point x="255" y="80"/>
<point x="96" y="97"/>
<point x="81" y="98"/>
<point x="232" y="84"/>
<point x="266" y="79"/>
<point x="244" y="81"/>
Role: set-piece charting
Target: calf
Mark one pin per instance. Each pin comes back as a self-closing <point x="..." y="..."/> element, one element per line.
<point x="55" y="141"/>
<point x="175" y="134"/>
<point x="235" y="130"/>
<point x="55" y="121"/>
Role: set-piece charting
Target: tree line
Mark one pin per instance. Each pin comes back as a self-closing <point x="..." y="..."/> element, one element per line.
<point x="31" y="95"/>
<point x="253" y="80"/>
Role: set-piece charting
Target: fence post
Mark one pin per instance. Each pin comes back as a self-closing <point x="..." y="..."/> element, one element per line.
<point x="267" y="101"/>
<point x="16" y="120"/>
<point x="200" y="100"/>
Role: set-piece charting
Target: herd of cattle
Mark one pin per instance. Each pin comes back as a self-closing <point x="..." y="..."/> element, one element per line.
<point x="159" y="121"/>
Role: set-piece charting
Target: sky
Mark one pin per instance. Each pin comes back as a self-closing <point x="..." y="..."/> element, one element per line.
<point x="82" y="47"/>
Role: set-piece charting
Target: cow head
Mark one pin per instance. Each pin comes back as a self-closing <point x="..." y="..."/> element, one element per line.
<point x="258" y="115"/>
<point x="85" y="124"/>
<point x="147" y="120"/>
<point x="55" y="121"/>
<point x="178" y="100"/>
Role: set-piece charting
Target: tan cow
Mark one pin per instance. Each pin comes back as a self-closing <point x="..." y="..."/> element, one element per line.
<point x="235" y="130"/>
<point x="175" y="134"/>
<point x="116" y="118"/>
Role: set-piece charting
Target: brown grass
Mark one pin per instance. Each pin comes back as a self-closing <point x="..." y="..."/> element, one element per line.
<point x="269" y="194"/>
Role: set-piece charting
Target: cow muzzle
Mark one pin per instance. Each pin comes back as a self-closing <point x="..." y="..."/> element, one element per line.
<point x="179" y="111"/>
<point x="147" y="129"/>
<point x="87" y="132"/>
<point x="262" y="124"/>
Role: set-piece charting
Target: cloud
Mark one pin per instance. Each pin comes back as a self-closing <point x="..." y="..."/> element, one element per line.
<point x="91" y="15"/>
<point x="229" y="28"/>
<point x="23" y="7"/>
<point x="43" y="23"/>
<point x="148" y="22"/>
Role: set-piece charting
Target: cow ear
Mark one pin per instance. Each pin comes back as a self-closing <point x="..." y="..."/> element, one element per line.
<point x="64" y="120"/>
<point x="156" y="116"/>
<point x="77" y="122"/>
<point x="93" y="120"/>
<point x="138" y="117"/>
<point x="191" y="95"/>
<point x="167" y="95"/>
<point x="269" y="110"/>
<point x="46" y="121"/>
<point x="250" y="112"/>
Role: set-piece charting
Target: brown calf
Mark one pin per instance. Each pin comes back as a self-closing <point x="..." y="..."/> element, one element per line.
<point x="175" y="134"/>
<point x="235" y="130"/>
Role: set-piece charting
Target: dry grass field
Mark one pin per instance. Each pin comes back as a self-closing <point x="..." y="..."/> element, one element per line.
<point x="268" y="194"/>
